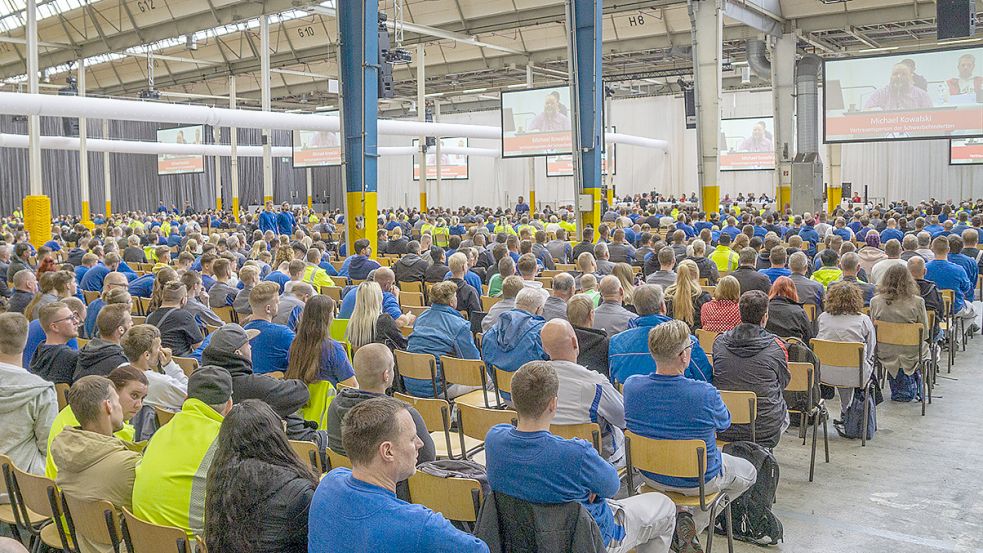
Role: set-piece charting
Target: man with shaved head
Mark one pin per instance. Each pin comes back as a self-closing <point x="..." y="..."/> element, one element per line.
<point x="564" y="287"/>
<point x="374" y="372"/>
<point x="927" y="289"/>
<point x="610" y="316"/>
<point x="584" y="395"/>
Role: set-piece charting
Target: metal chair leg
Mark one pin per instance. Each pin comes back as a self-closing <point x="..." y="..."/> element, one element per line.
<point x="730" y="528"/>
<point x="812" y="457"/>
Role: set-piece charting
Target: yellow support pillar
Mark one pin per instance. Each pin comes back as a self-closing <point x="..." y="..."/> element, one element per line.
<point x="267" y="199"/>
<point x="610" y="197"/>
<point x="423" y="202"/>
<point x="310" y="202"/>
<point x="532" y="201"/>
<point x="592" y="217"/>
<point x="109" y="209"/>
<point x="87" y="216"/>
<point x="37" y="219"/>
<point x="218" y="203"/>
<point x="834" y="195"/>
<point x="235" y="207"/>
<point x="711" y="198"/>
<point x="784" y="197"/>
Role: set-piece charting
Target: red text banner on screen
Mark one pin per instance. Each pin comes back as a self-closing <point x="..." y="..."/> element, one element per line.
<point x="961" y="153"/>
<point x="747" y="160"/>
<point x="966" y="120"/>
<point x="173" y="165"/>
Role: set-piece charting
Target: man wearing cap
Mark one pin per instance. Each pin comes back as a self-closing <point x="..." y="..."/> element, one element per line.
<point x="170" y="481"/>
<point x="229" y="349"/>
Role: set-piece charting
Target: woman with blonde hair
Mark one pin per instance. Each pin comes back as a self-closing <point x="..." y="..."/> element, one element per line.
<point x="283" y="254"/>
<point x="722" y="313"/>
<point x="258" y="246"/>
<point x="161" y="278"/>
<point x="685" y="299"/>
<point x="627" y="278"/>
<point x="192" y="247"/>
<point x="898" y="301"/>
<point x="369" y="323"/>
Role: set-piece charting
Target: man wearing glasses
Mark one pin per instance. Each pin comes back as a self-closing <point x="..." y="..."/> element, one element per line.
<point x="54" y="360"/>
<point x="110" y="282"/>
<point x="668" y="406"/>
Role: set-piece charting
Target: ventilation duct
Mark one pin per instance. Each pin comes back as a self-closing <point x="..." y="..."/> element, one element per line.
<point x="756" y="60"/>
<point x="807" y="104"/>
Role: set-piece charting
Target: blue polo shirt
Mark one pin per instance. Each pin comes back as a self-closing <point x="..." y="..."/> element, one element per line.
<point x="142" y="287"/>
<point x="366" y="517"/>
<point x="271" y="348"/>
<point x="92" y="281"/>
<point x="540" y="467"/>
<point x="774" y="272"/>
<point x="279" y="278"/>
<point x="949" y="276"/>
<point x="676" y="408"/>
<point x="335" y="366"/>
<point x="390" y="305"/>
<point x="91" y="312"/>
<point x="891" y="234"/>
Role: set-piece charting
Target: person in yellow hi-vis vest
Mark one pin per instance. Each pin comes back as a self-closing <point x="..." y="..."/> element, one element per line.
<point x="427" y="227"/>
<point x="568" y="225"/>
<point x="504" y="226"/>
<point x="441" y="233"/>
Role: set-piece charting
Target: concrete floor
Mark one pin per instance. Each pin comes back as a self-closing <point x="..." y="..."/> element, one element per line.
<point x="916" y="487"/>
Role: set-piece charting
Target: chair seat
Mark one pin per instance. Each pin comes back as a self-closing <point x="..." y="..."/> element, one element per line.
<point x="7" y="516"/>
<point x="477" y="398"/>
<point x="49" y="536"/>
<point x="441" y="445"/>
<point x="680" y="499"/>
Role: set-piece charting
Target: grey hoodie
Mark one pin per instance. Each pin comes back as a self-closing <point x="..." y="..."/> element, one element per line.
<point x="28" y="406"/>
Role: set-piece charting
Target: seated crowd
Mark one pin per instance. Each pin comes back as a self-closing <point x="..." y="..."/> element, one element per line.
<point x="188" y="365"/>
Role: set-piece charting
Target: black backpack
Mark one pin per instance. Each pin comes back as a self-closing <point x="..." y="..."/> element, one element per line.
<point x="751" y="512"/>
<point x="853" y="420"/>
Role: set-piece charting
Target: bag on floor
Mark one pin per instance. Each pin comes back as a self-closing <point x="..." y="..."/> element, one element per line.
<point x="853" y="421"/>
<point x="751" y="512"/>
<point x="905" y="388"/>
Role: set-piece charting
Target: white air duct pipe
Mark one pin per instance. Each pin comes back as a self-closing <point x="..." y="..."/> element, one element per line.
<point x="643" y="142"/>
<point x="224" y="150"/>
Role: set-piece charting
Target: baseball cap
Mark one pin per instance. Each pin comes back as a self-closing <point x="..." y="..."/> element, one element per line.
<point x="230" y="337"/>
<point x="210" y="384"/>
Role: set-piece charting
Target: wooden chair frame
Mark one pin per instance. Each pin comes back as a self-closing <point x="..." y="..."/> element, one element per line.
<point x="410" y="367"/>
<point x="905" y="334"/>
<point x="83" y="517"/>
<point x="841" y="359"/>
<point x="804" y="380"/>
<point x="589" y="431"/>
<point x="487" y="418"/>
<point x="457" y="499"/>
<point x="743" y="407"/>
<point x="181" y="544"/>
<point x="455" y="371"/>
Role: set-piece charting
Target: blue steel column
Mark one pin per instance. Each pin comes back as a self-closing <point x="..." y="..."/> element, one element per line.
<point x="584" y="32"/>
<point x="358" y="23"/>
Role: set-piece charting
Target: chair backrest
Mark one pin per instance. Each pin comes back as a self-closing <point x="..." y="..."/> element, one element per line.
<point x="455" y="498"/>
<point x="187" y="364"/>
<point x="276" y="374"/>
<point x="475" y="422"/>
<point x="308" y="453"/>
<point x="803" y="377"/>
<point x="415" y="310"/>
<point x="145" y="537"/>
<point x="469" y="372"/>
<point x="96" y="520"/>
<point x="503" y="380"/>
<point x="200" y="545"/>
<point x="810" y="309"/>
<point x="144" y="304"/>
<point x="90" y="296"/>
<point x="333" y="292"/>
<point x="163" y="416"/>
<point x="487" y="302"/>
<point x="948" y="298"/>
<point x="742" y="406"/>
<point x="410" y="286"/>
<point x="34" y="491"/>
<point x="840" y="354"/>
<point x="422" y="366"/>
<point x="899" y="334"/>
<point x="336" y="459"/>
<point x="589" y="431"/>
<point x="227" y="314"/>
<point x="61" y="390"/>
<point x="138" y="320"/>
<point x="706" y="338"/>
<point x="436" y="413"/>
<point x="677" y="458"/>
<point x="411" y="299"/>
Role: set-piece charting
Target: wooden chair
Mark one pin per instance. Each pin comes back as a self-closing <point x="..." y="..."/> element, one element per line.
<point x="421" y="366"/>
<point x="138" y="320"/>
<point x="227" y="314"/>
<point x="187" y="364"/>
<point x="90" y="296"/>
<point x="475" y="422"/>
<point x="411" y="299"/>
<point x="336" y="460"/>
<point x="487" y="302"/>
<point x="61" y="390"/>
<point x="308" y="453"/>
<point x="743" y="407"/>
<point x="82" y="342"/>
<point x="803" y="380"/>
<point x="810" y="309"/>
<point x="680" y="459"/>
<point x="415" y="310"/>
<point x="588" y="431"/>
<point x="163" y="416"/>
<point x="436" y="415"/>
<point x="458" y="499"/>
<point x="467" y="372"/>
<point x="566" y="267"/>
<point x="38" y="494"/>
<point x="333" y="292"/>
<point x="948" y="325"/>
<point x="503" y="383"/>
<point x="844" y="354"/>
<point x="144" y="305"/>
<point x="200" y="545"/>
<point x="96" y="520"/>
<point x="410" y="286"/>
<point x="910" y="335"/>
<point x="11" y="513"/>
<point x="145" y="537"/>
<point x="706" y="338"/>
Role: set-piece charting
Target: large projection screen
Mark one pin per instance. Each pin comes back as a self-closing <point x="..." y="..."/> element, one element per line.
<point x="176" y="164"/>
<point x="452" y="166"/>
<point x="747" y="144"/>
<point x="934" y="94"/>
<point x="967" y="151"/>
<point x="317" y="148"/>
<point x="536" y="122"/>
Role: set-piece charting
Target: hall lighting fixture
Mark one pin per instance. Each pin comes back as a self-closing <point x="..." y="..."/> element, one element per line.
<point x="881" y="49"/>
<point x="474" y="91"/>
<point x="519" y="85"/>
<point x="958" y="41"/>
